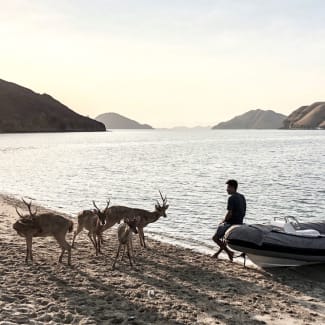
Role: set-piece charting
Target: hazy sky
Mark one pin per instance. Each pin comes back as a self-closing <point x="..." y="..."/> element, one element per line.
<point x="167" y="62"/>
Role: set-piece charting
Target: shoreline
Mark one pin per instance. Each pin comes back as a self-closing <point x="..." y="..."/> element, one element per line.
<point x="201" y="247"/>
<point x="168" y="285"/>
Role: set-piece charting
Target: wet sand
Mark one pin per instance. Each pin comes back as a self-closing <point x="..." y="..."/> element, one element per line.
<point x="168" y="285"/>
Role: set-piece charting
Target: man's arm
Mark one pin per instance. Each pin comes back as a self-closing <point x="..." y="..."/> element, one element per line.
<point x="227" y="216"/>
<point x="230" y="205"/>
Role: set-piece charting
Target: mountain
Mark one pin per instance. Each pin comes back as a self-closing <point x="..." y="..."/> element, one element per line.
<point x="117" y="121"/>
<point x="22" y="110"/>
<point x="254" y="119"/>
<point x="307" y="117"/>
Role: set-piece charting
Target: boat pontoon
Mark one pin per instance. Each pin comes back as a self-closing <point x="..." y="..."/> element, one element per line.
<point x="281" y="243"/>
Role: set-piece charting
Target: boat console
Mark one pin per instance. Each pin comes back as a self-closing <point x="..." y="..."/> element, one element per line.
<point x="293" y="227"/>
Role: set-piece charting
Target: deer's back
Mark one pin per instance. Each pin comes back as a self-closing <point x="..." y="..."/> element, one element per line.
<point x="118" y="210"/>
<point x="87" y="219"/>
<point x="52" y="224"/>
<point x="124" y="233"/>
<point x="116" y="213"/>
<point x="145" y="217"/>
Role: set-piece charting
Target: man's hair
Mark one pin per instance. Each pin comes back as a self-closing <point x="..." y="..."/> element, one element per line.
<point x="233" y="183"/>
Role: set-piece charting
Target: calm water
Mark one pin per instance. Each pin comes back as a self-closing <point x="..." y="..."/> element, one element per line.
<point x="280" y="172"/>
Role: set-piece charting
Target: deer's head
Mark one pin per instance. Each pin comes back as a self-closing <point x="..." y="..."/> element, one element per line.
<point x="161" y="209"/>
<point x="133" y="223"/>
<point x="26" y="222"/>
<point x="101" y="214"/>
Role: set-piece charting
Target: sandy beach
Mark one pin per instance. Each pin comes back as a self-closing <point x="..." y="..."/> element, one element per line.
<point x="168" y="285"/>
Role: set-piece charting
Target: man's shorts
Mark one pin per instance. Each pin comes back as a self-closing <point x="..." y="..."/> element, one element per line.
<point x="222" y="228"/>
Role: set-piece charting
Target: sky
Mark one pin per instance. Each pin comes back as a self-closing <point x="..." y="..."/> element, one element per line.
<point x="167" y="63"/>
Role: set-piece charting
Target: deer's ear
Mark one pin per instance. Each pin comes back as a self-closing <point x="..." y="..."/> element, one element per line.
<point x="167" y="206"/>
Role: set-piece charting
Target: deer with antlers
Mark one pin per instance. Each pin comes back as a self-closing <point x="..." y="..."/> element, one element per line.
<point x="114" y="214"/>
<point x="124" y="235"/>
<point x="146" y="217"/>
<point x="89" y="220"/>
<point x="43" y="225"/>
<point x="111" y="216"/>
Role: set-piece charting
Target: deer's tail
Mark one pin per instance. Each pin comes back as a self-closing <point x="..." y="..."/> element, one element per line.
<point x="71" y="226"/>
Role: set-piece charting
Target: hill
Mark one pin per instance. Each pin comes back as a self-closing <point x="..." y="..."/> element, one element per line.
<point x="254" y="119"/>
<point x="22" y="110"/>
<point x="307" y="117"/>
<point x="117" y="121"/>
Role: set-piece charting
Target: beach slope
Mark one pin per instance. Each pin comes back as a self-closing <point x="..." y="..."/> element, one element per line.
<point x="168" y="285"/>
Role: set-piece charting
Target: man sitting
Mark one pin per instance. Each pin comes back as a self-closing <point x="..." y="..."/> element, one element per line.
<point x="235" y="215"/>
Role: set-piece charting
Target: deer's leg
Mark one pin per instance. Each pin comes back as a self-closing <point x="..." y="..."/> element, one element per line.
<point x="131" y="246"/>
<point x="95" y="242"/>
<point x="98" y="242"/>
<point x="128" y="252"/>
<point x="118" y="252"/>
<point x="29" y="253"/>
<point x="100" y="237"/>
<point x="60" y="238"/>
<point x="132" y="251"/>
<point x="79" y="229"/>
<point x="91" y="239"/>
<point x="141" y="235"/>
<point x="123" y="252"/>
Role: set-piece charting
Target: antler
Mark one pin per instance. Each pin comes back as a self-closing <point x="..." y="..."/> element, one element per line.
<point x="96" y="207"/>
<point x="164" y="199"/>
<point x="29" y="206"/>
<point x="20" y="215"/>
<point x="108" y="202"/>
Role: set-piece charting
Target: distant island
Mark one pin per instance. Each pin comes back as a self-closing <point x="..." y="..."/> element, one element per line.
<point x="22" y="110"/>
<point x="117" y="121"/>
<point x="188" y="128"/>
<point x="254" y="119"/>
<point x="307" y="117"/>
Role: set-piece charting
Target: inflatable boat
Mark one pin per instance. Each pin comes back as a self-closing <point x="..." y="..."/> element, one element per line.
<point x="281" y="243"/>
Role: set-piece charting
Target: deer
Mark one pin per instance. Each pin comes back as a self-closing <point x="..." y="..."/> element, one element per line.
<point x="43" y="225"/>
<point x="89" y="219"/>
<point x="145" y="217"/>
<point x="111" y="216"/>
<point x="114" y="214"/>
<point x="124" y="235"/>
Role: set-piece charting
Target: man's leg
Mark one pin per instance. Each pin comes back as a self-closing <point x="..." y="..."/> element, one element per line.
<point x="223" y="246"/>
<point x="217" y="238"/>
<point x="218" y="242"/>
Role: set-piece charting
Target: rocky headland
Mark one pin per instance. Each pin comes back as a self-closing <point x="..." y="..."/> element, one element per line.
<point x="307" y="117"/>
<point x="22" y="110"/>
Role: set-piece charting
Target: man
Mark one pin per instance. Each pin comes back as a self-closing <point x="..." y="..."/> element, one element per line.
<point x="235" y="215"/>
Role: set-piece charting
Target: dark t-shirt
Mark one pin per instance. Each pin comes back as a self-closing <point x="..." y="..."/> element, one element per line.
<point x="237" y="205"/>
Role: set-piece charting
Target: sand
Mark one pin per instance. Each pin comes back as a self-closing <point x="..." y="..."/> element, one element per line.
<point x="168" y="285"/>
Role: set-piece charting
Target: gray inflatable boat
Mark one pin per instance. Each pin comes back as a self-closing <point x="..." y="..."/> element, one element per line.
<point x="287" y="243"/>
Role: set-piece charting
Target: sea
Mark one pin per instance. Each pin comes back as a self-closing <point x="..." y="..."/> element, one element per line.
<point x="280" y="172"/>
